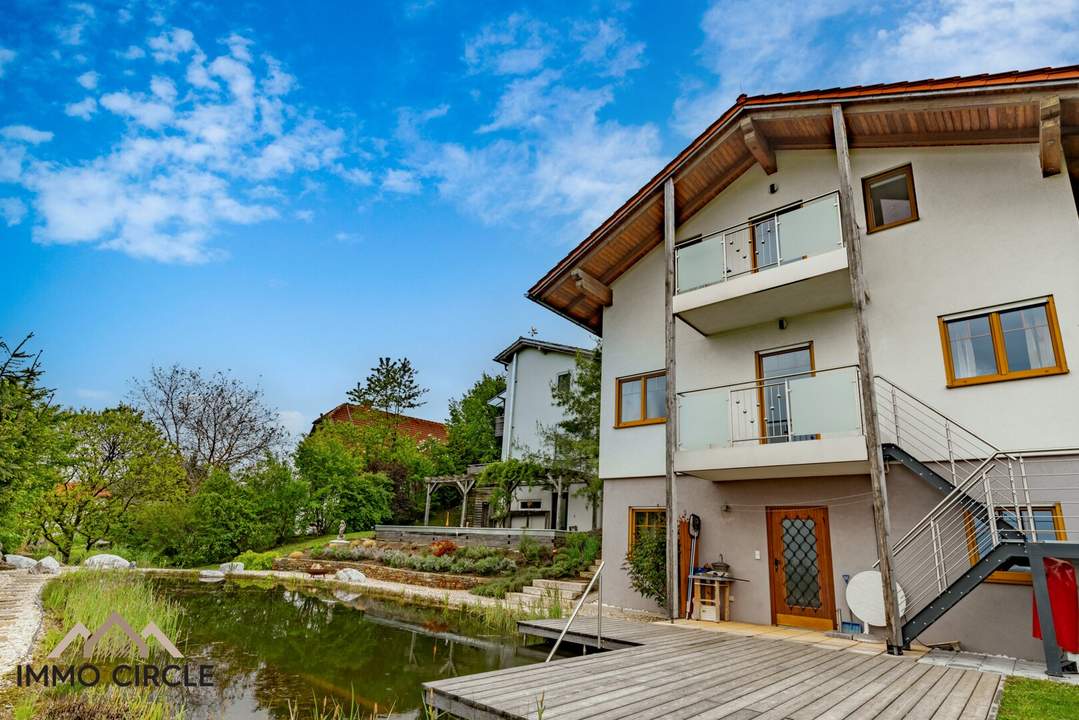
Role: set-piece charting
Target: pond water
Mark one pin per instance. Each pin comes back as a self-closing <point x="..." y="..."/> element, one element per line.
<point x="274" y="646"/>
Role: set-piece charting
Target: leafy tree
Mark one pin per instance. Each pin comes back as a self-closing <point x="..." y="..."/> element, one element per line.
<point x="222" y="521"/>
<point x="572" y="444"/>
<point x="505" y="477"/>
<point x="279" y="498"/>
<point x="117" y="460"/>
<point x="214" y="421"/>
<point x="646" y="564"/>
<point x="31" y="445"/>
<point x="391" y="387"/>
<point x="471" y="425"/>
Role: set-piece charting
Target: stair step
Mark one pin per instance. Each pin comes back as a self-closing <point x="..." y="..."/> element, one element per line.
<point x="568" y="585"/>
<point x="549" y="592"/>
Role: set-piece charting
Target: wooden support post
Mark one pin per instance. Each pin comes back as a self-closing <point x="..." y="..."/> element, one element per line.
<point x="592" y="287"/>
<point x="1049" y="137"/>
<point x="759" y="146"/>
<point x="672" y="406"/>
<point x="878" y="484"/>
<point x="427" y="506"/>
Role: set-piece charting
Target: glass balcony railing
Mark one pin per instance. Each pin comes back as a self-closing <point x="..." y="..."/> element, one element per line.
<point x="779" y="238"/>
<point x="793" y="408"/>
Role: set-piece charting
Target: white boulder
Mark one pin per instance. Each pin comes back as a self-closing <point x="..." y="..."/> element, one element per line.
<point x="106" y="560"/>
<point x="232" y="567"/>
<point x="46" y="566"/>
<point x="350" y="575"/>
<point x="211" y="576"/>
<point x="20" y="561"/>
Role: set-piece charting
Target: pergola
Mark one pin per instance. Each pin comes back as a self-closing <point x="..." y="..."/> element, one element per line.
<point x="465" y="483"/>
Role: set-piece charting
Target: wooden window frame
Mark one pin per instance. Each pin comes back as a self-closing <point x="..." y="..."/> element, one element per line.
<point x="632" y="534"/>
<point x="870" y="216"/>
<point x="999" y="350"/>
<point x="645" y="420"/>
<point x="759" y="356"/>
<point x="1013" y="577"/>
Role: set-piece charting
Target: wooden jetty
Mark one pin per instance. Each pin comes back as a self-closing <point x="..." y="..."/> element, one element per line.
<point x="667" y="671"/>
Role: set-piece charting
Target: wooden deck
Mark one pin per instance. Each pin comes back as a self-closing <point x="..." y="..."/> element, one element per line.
<point x="666" y="671"/>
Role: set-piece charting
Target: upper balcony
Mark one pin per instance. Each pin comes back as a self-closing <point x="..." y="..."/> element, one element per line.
<point x="790" y="261"/>
<point x="802" y="425"/>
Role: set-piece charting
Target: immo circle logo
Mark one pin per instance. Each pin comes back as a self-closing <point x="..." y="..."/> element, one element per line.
<point x="89" y="674"/>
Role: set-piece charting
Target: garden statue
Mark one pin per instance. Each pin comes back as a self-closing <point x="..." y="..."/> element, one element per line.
<point x="341" y="530"/>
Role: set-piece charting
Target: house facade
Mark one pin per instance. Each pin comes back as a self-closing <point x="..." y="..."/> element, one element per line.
<point x="727" y="291"/>
<point x="533" y="369"/>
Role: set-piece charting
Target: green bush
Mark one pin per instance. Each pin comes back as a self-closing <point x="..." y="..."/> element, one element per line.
<point x="514" y="583"/>
<point x="646" y="564"/>
<point x="255" y="561"/>
<point x="533" y="552"/>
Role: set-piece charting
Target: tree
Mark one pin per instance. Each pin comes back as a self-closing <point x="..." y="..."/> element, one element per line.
<point x="471" y="425"/>
<point x="31" y="446"/>
<point x="212" y="420"/>
<point x="390" y="387"/>
<point x="646" y="565"/>
<point x="572" y="444"/>
<point x="279" y="499"/>
<point x="117" y="460"/>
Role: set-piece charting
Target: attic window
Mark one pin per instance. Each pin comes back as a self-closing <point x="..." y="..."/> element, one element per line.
<point x="563" y="381"/>
<point x="889" y="199"/>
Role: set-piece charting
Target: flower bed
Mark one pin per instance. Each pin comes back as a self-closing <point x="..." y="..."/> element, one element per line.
<point x="443" y="581"/>
<point x="436" y="558"/>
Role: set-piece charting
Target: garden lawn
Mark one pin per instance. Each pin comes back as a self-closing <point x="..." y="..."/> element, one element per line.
<point x="308" y="543"/>
<point x="1026" y="699"/>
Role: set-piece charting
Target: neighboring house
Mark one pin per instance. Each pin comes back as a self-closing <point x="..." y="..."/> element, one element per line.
<point x="416" y="428"/>
<point x="957" y="193"/>
<point x="533" y="368"/>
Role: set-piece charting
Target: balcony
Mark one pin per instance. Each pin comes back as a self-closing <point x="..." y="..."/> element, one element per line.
<point x="802" y="425"/>
<point x="788" y="262"/>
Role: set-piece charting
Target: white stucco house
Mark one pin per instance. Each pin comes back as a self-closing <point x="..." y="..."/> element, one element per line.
<point x="926" y="232"/>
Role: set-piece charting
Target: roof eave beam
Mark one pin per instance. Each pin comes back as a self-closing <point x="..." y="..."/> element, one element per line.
<point x="759" y="146"/>
<point x="592" y="287"/>
<point x="1051" y="149"/>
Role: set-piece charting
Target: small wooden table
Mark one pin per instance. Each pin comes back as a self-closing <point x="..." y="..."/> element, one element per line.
<point x="711" y="597"/>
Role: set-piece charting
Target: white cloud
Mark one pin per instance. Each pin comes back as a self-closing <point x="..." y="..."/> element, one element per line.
<point x="180" y="172"/>
<point x="93" y="395"/>
<point x="168" y="46"/>
<point x="304" y="215"/>
<point x="606" y="45"/>
<point x="519" y="44"/>
<point x="294" y="421"/>
<point x="133" y="52"/>
<point x="84" y="109"/>
<point x="13" y="210"/>
<point x="26" y="134"/>
<point x="88" y="79"/>
<point x="347" y="238"/>
<point x="402" y="182"/>
<point x="6" y="56"/>
<point x="71" y="34"/>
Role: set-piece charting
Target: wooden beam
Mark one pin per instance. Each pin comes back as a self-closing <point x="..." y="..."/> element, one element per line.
<point x="758" y="145"/>
<point x="1052" y="151"/>
<point x="592" y="287"/>
<point x="881" y="518"/>
<point x="672" y="406"/>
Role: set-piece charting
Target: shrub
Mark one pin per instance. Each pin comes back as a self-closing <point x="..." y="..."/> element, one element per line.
<point x="533" y="552"/>
<point x="494" y="566"/>
<point x="255" y="561"/>
<point x="477" y="552"/>
<point x="443" y="547"/>
<point x="514" y="583"/>
<point x="646" y="564"/>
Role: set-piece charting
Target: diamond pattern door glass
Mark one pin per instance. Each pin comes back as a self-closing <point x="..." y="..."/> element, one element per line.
<point x="800" y="563"/>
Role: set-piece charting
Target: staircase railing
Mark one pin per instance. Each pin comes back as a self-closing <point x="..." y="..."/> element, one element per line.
<point x="577" y="608"/>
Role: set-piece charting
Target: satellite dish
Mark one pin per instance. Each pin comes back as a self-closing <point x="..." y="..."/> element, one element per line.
<point x="865" y="597"/>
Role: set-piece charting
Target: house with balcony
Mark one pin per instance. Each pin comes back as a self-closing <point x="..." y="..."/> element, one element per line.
<point x="836" y="327"/>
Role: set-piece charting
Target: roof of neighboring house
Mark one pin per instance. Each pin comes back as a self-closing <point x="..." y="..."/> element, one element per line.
<point x="506" y="356"/>
<point x="978" y="109"/>
<point x="416" y="428"/>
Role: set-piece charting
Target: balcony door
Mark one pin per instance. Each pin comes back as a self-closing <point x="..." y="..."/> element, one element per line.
<point x="800" y="562"/>
<point x="774" y="373"/>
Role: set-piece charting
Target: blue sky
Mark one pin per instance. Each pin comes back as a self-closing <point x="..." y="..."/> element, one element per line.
<point x="289" y="190"/>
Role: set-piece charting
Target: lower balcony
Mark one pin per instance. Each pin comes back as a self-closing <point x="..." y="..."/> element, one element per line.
<point x="803" y="425"/>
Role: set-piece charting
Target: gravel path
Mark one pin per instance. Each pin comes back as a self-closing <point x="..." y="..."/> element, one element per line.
<point x="20" y="618"/>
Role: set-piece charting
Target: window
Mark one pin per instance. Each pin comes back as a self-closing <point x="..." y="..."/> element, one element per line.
<point x="1048" y="521"/>
<point x="641" y="400"/>
<point x="644" y="519"/>
<point x="889" y="199"/>
<point x="1017" y="341"/>
<point x="530" y="504"/>
<point x="774" y="368"/>
<point x="563" y="382"/>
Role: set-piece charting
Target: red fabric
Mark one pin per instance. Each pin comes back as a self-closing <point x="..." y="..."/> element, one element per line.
<point x="1064" y="600"/>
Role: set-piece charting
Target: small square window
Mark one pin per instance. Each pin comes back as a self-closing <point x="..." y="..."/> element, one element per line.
<point x="563" y="382"/>
<point x="641" y="400"/>
<point x="889" y="199"/>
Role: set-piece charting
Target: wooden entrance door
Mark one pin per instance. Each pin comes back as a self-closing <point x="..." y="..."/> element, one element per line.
<point x="800" y="561"/>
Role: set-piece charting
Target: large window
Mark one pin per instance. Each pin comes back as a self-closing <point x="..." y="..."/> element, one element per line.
<point x="1007" y="343"/>
<point x="642" y="519"/>
<point x="1048" y="521"/>
<point x="774" y="370"/>
<point x="641" y="399"/>
<point x="889" y="199"/>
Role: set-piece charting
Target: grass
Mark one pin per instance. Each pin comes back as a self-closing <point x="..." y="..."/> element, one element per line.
<point x="1026" y="699"/>
<point x="308" y="543"/>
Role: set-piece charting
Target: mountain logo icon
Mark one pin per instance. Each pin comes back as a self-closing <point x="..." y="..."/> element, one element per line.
<point x="115" y="620"/>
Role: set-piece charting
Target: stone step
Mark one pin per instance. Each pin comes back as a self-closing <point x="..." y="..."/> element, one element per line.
<point x="534" y="602"/>
<point x="567" y="585"/>
<point x="549" y="592"/>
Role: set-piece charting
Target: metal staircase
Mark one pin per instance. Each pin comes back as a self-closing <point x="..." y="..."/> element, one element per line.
<point x="985" y="522"/>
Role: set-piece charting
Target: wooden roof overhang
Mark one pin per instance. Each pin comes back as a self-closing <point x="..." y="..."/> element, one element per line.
<point x="985" y="109"/>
